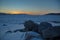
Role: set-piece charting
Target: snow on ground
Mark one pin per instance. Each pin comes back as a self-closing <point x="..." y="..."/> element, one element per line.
<point x="14" y="36"/>
<point x="10" y="36"/>
<point x="35" y="35"/>
<point x="13" y="22"/>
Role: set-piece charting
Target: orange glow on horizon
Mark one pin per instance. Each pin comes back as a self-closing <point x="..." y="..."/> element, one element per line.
<point x="19" y="12"/>
<point x="26" y="12"/>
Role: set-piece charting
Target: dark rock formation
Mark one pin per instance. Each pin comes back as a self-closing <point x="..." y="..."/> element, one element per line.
<point x="31" y="26"/>
<point x="46" y="30"/>
<point x="49" y="32"/>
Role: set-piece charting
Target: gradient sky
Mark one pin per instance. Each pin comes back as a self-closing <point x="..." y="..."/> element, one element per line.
<point x="29" y="6"/>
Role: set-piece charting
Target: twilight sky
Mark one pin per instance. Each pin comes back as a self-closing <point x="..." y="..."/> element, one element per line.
<point x="29" y="6"/>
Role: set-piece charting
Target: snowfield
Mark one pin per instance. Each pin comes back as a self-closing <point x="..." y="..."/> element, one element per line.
<point x="13" y="22"/>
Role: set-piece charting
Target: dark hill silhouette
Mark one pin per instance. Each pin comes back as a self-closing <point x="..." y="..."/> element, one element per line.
<point x="3" y="14"/>
<point x="53" y="14"/>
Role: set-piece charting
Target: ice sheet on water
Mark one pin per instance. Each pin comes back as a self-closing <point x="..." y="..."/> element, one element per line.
<point x="14" y="36"/>
<point x="34" y="35"/>
<point x="13" y="22"/>
<point x="10" y="27"/>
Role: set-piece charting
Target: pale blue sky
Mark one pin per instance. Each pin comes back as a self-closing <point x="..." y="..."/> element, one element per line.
<point x="29" y="5"/>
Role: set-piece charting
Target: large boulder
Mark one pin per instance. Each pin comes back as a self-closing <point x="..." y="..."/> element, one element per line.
<point x="30" y="25"/>
<point x="48" y="31"/>
<point x="45" y="25"/>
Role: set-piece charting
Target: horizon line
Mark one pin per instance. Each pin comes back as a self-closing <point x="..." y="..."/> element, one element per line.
<point x="27" y="14"/>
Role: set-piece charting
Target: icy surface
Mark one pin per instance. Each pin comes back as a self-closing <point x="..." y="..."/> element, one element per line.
<point x="13" y="22"/>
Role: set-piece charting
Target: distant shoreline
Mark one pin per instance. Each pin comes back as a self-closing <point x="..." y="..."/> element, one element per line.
<point x="29" y="14"/>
